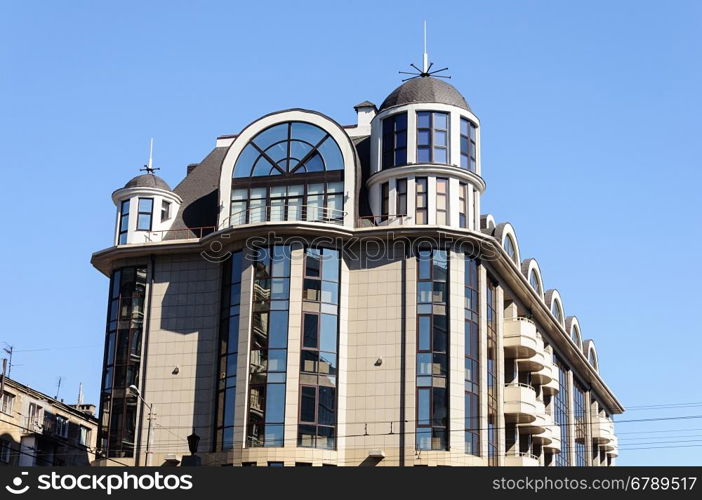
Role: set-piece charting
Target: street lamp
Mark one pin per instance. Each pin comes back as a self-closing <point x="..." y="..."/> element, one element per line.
<point x="149" y="433"/>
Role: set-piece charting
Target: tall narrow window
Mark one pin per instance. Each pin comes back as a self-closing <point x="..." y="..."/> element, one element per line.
<point x="492" y="371"/>
<point x="462" y="205"/>
<point x="432" y="137"/>
<point x="165" y="210"/>
<point x="145" y="214"/>
<point x="432" y="350"/>
<point x="442" y="201"/>
<point x="228" y="351"/>
<point x="384" y="200"/>
<point x="580" y="424"/>
<point x="401" y="189"/>
<point x="472" y="357"/>
<point x="561" y="414"/>
<point x="422" y="201"/>
<point x="123" y="222"/>
<point x="468" y="148"/>
<point x="319" y="353"/>
<point x="118" y="406"/>
<point x="269" y="347"/>
<point x="395" y="140"/>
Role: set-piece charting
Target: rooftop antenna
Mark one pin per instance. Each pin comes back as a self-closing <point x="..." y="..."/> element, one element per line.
<point x="426" y="65"/>
<point x="58" y="388"/>
<point x="149" y="167"/>
<point x="80" y="393"/>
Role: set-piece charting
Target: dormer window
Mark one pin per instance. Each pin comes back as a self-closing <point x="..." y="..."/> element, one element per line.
<point x="395" y="140"/>
<point x="432" y="137"/>
<point x="145" y="213"/>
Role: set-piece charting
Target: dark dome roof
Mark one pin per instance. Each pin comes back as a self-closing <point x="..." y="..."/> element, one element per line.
<point x="425" y="89"/>
<point x="147" y="180"/>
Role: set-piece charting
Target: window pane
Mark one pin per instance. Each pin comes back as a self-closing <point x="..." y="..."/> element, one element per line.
<point x="146" y="204"/>
<point x="423" y="119"/>
<point x="424" y="333"/>
<point x="144" y="222"/>
<point x="308" y="404"/>
<point x="440" y="155"/>
<point x="328" y="333"/>
<point x="275" y="403"/>
<point x="423" y="404"/>
<point x="278" y="330"/>
<point x="441" y="120"/>
<point x="309" y="338"/>
<point x="331" y="265"/>
<point x="327" y="406"/>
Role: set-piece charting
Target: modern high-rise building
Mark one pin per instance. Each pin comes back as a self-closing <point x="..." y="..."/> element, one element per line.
<point x="321" y="294"/>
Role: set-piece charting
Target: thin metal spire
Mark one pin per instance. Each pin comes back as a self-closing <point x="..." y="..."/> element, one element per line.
<point x="149" y="167"/>
<point x="426" y="65"/>
<point x="425" y="58"/>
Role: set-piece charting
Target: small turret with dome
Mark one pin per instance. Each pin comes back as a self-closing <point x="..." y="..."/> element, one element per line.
<point x="425" y="154"/>
<point x="146" y="207"/>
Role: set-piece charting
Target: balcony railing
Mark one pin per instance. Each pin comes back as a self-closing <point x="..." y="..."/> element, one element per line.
<point x="383" y="220"/>
<point x="190" y="233"/>
<point x="520" y="339"/>
<point x="520" y="403"/>
<point x="521" y="459"/>
<point x="602" y="429"/>
<point x="285" y="213"/>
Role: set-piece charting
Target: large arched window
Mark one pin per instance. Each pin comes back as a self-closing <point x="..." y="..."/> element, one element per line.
<point x="535" y="282"/>
<point x="290" y="171"/>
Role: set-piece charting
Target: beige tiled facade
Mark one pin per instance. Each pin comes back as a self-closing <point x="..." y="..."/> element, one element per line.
<point x="377" y="206"/>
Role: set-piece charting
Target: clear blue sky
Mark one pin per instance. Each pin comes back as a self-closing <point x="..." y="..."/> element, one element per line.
<point x="590" y="114"/>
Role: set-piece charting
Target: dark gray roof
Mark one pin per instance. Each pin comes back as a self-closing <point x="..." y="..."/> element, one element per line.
<point x="147" y="180"/>
<point x="425" y="89"/>
<point x="365" y="104"/>
<point x="199" y="191"/>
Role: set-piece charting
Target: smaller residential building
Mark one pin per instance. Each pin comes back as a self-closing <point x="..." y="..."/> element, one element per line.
<point x="36" y="429"/>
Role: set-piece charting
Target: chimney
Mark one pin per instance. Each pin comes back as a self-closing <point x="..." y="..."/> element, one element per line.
<point x="191" y="167"/>
<point x="365" y="112"/>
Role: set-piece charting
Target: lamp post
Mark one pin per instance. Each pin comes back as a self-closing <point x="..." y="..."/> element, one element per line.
<point x="149" y="433"/>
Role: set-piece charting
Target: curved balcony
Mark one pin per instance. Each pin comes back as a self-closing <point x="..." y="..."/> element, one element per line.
<point x="546" y="435"/>
<point x="554" y="446"/>
<point x="520" y="340"/>
<point x="602" y="429"/>
<point x="552" y="387"/>
<point x="520" y="403"/>
<point x="546" y="374"/>
<point x="538" y="426"/>
<point x="612" y="448"/>
<point x="521" y="459"/>
<point x="537" y="362"/>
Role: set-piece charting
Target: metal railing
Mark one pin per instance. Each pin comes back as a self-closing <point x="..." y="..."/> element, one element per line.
<point x="188" y="233"/>
<point x="285" y="213"/>
<point x="383" y="220"/>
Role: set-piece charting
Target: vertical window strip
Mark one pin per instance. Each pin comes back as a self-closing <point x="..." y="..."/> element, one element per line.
<point x="228" y="351"/>
<point x="580" y="424"/>
<point x="561" y="414"/>
<point x="442" y="201"/>
<point x="492" y="370"/>
<point x="432" y="137"/>
<point x="384" y="201"/>
<point x="421" y="200"/>
<point x="145" y="210"/>
<point x="395" y="140"/>
<point x="468" y="145"/>
<point x="123" y="222"/>
<point x="401" y="190"/>
<point x="269" y="344"/>
<point x="432" y="350"/>
<point x="122" y="361"/>
<point x="462" y="205"/>
<point x="472" y="358"/>
<point x="319" y="349"/>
